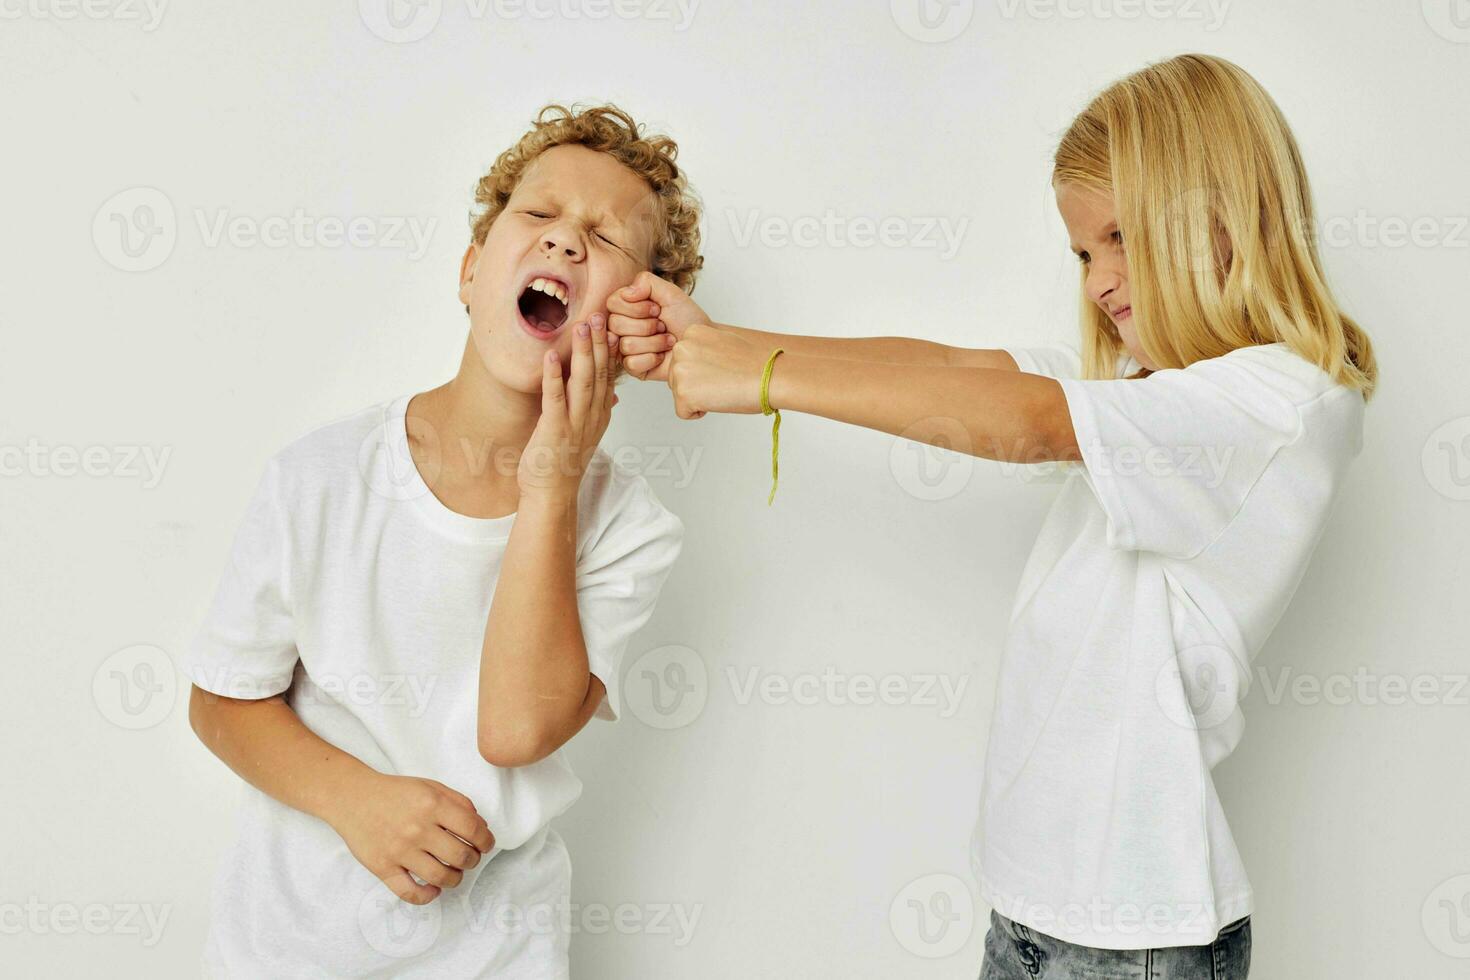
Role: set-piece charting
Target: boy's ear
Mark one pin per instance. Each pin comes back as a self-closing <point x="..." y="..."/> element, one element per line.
<point x="467" y="273"/>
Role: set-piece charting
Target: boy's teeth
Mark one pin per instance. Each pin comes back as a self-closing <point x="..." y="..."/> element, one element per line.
<point x="550" y="288"/>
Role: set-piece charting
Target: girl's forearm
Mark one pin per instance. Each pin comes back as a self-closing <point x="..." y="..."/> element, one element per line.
<point x="268" y="745"/>
<point x="994" y="413"/>
<point x="900" y="350"/>
<point x="882" y="350"/>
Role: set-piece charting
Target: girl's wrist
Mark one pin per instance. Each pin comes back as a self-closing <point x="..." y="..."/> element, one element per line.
<point x="780" y="391"/>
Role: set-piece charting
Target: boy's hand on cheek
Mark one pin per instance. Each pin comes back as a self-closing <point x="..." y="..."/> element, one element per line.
<point x="574" y="415"/>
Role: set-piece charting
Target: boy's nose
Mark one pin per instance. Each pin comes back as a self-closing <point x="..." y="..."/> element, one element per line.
<point x="564" y="245"/>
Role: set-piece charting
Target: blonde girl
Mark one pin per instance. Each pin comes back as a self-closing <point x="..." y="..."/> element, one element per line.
<point x="1207" y="418"/>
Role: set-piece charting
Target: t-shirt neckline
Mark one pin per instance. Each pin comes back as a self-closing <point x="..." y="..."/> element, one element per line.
<point x="429" y="507"/>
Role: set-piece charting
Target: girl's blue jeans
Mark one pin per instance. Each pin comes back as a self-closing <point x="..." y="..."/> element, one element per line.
<point x="1014" y="952"/>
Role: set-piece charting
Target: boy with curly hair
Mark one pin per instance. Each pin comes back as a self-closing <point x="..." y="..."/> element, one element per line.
<point x="428" y="598"/>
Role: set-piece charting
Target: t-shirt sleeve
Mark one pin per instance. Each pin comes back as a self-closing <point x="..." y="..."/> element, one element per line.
<point x="1060" y="361"/>
<point x="618" y="583"/>
<point x="246" y="647"/>
<point x="1172" y="457"/>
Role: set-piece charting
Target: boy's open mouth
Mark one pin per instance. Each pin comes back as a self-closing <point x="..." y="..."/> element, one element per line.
<point x="544" y="304"/>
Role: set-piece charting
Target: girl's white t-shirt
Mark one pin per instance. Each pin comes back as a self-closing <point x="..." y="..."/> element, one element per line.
<point x="351" y="587"/>
<point x="1168" y="556"/>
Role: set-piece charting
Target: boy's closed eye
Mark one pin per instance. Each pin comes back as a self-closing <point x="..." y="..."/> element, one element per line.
<point x="542" y="214"/>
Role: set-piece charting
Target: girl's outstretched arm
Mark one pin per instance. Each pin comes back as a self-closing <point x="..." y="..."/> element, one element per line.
<point x="993" y="413"/>
<point x="1008" y="415"/>
<point x="650" y="314"/>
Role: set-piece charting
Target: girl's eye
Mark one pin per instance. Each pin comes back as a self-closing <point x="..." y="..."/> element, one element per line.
<point x="1084" y="258"/>
<point x="608" y="240"/>
<point x="538" y="214"/>
<point x="1118" y="237"/>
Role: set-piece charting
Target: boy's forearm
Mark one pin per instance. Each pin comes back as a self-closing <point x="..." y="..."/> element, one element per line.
<point x="266" y="743"/>
<point x="993" y="413"/>
<point x="535" y="683"/>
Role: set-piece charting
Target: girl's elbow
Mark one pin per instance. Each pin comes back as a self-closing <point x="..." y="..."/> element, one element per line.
<point x="1055" y="433"/>
<point x="1039" y="429"/>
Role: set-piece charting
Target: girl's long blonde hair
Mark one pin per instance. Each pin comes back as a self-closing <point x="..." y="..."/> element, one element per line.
<point x="1216" y="214"/>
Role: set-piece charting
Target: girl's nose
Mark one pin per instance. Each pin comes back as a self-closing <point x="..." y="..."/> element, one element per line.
<point x="1101" y="282"/>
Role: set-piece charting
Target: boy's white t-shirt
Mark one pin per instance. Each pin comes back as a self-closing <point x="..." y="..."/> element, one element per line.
<point x="1168" y="556"/>
<point x="354" y="589"/>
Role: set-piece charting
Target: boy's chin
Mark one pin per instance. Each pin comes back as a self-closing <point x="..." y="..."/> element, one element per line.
<point x="513" y="359"/>
<point x="520" y="371"/>
<point x="522" y="377"/>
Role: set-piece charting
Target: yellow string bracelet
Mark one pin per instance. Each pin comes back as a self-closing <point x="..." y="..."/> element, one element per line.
<point x="766" y="409"/>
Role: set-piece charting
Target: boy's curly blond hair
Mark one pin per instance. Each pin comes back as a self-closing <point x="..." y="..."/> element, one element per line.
<point x="610" y="130"/>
